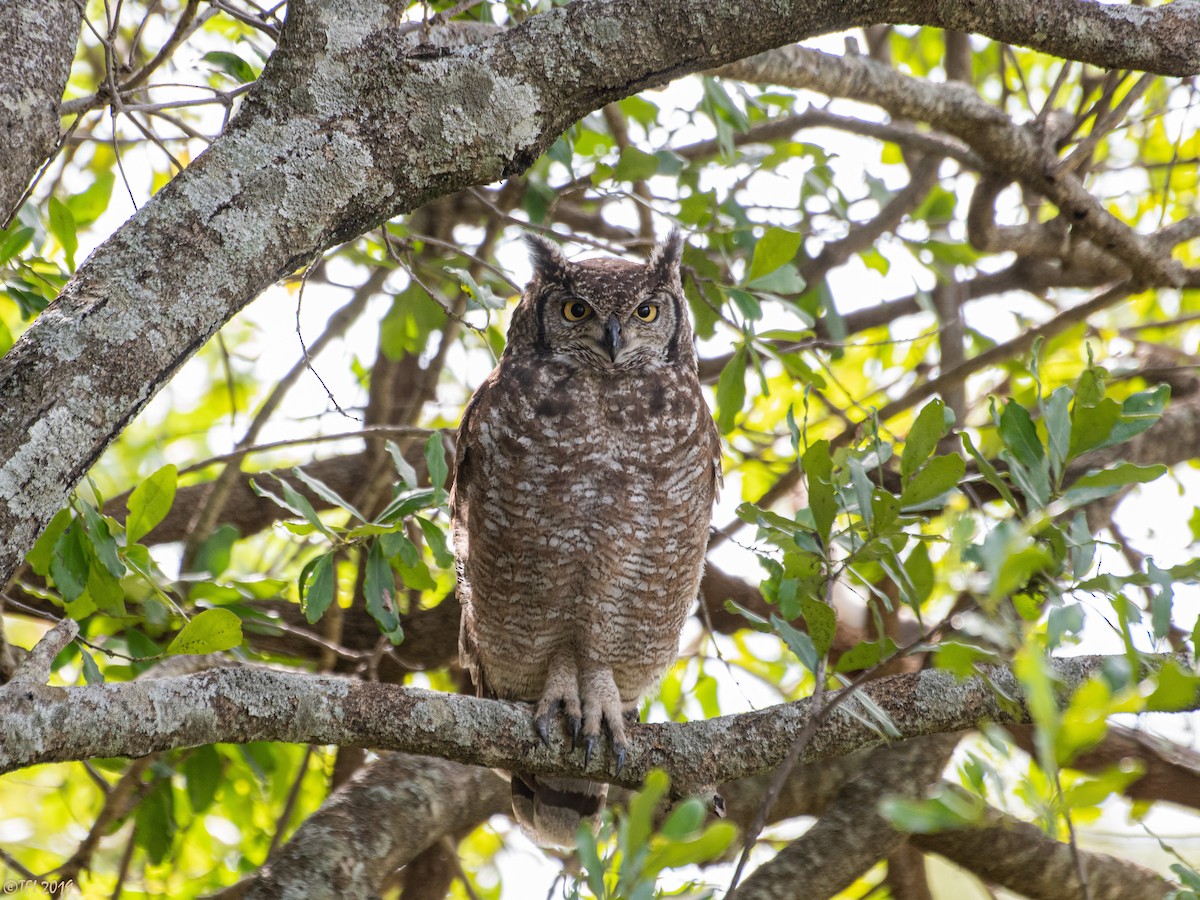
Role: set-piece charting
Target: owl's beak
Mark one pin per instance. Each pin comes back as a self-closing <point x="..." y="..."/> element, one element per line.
<point x="612" y="337"/>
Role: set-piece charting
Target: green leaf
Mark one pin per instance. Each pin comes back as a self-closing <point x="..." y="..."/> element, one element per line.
<point x="155" y="823"/>
<point x="940" y="475"/>
<point x="1020" y="435"/>
<point x="731" y="391"/>
<point x="102" y="541"/>
<point x="1083" y="546"/>
<point x="784" y="280"/>
<point x="408" y="475"/>
<point x="642" y="808"/>
<point x="1092" y="426"/>
<point x="864" y="655"/>
<point x="380" y="589"/>
<point x="202" y="771"/>
<point x="1091" y="791"/>
<point x="757" y="622"/>
<point x="62" y="226"/>
<point x="1175" y="690"/>
<point x="88" y="205"/>
<point x="326" y="493"/>
<point x="1138" y="412"/>
<point x="1063" y="621"/>
<point x="920" y="573"/>
<point x="1057" y="416"/>
<point x="407" y="503"/>
<point x="1089" y="389"/>
<point x="40" y="557"/>
<point x="150" y="502"/>
<point x="231" y="64"/>
<point x="70" y="562"/>
<point x="13" y="241"/>
<point x="684" y="820"/>
<point x="317" y="587"/>
<point x="294" y="502"/>
<point x="589" y="859"/>
<point x="435" y="459"/>
<point x="91" y="672"/>
<point x="711" y="844"/>
<point x="929" y="428"/>
<point x="798" y="642"/>
<point x="635" y="165"/>
<point x="818" y="467"/>
<point x="776" y="247"/>
<point x="216" y="552"/>
<point x="959" y="658"/>
<point x="106" y="591"/>
<point x="1162" y="601"/>
<point x="396" y="545"/>
<point x="480" y="293"/>
<point x="947" y="809"/>
<point x="746" y="303"/>
<point x="436" y="539"/>
<point x="211" y="631"/>
<point x="1095" y="485"/>
<point x="821" y="620"/>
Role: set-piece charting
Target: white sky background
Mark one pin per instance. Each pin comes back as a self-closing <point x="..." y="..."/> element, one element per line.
<point x="526" y="870"/>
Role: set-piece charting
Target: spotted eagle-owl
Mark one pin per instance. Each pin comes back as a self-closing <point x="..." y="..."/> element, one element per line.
<point x="587" y="467"/>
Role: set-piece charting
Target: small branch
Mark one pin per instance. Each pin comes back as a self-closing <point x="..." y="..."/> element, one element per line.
<point x="35" y="669"/>
<point x="1007" y="148"/>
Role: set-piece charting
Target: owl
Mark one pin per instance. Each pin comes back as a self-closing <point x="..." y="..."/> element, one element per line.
<point x="587" y="466"/>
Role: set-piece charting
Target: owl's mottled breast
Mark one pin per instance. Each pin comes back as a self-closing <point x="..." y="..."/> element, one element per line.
<point x="588" y="519"/>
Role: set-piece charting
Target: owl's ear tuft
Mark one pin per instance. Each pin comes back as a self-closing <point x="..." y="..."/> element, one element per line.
<point x="549" y="264"/>
<point x="663" y="263"/>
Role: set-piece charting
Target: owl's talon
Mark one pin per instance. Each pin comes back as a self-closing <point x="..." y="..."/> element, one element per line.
<point x="589" y="745"/>
<point x="542" y="724"/>
<point x="620" y="759"/>
<point x="576" y="723"/>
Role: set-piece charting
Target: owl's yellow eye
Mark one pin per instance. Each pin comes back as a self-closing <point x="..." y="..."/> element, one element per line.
<point x="647" y="312"/>
<point x="576" y="310"/>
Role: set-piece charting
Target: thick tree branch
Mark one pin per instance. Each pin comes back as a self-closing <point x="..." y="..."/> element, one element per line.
<point x="852" y="835"/>
<point x="1021" y="857"/>
<point x="41" y="724"/>
<point x="381" y="819"/>
<point x="39" y="44"/>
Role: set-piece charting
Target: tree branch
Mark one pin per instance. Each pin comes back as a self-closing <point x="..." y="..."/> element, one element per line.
<point x="852" y="835"/>
<point x="1021" y="857"/>
<point x="39" y="44"/>
<point x="381" y="819"/>
<point x="40" y="724"/>
<point x="1016" y="151"/>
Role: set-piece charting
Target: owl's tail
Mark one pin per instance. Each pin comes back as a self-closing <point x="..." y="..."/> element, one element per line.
<point x="550" y="810"/>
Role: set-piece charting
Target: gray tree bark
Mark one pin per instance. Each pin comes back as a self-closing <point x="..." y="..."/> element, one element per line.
<point x="39" y="44"/>
<point x="40" y="724"/>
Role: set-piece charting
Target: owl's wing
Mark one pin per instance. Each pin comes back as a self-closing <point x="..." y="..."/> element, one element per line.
<point x="713" y="437"/>
<point x="466" y="452"/>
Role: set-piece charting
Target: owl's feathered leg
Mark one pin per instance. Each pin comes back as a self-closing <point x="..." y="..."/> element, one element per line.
<point x="561" y="694"/>
<point x="602" y="704"/>
<point x="552" y="809"/>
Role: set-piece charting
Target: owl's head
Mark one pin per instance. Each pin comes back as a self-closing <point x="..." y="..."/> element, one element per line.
<point x="605" y="313"/>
